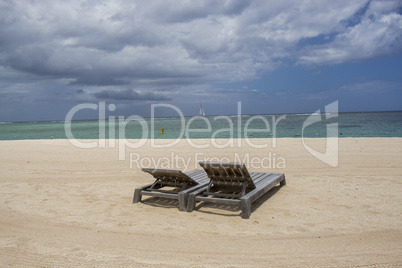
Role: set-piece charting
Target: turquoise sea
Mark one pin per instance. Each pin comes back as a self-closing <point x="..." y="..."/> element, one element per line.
<point x="364" y="124"/>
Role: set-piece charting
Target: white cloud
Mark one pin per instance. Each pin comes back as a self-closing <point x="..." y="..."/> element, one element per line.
<point x="377" y="34"/>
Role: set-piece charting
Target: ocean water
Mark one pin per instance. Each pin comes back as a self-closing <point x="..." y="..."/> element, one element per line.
<point x="365" y="124"/>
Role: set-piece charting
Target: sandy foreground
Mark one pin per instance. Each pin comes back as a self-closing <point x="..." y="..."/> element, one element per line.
<point x="61" y="205"/>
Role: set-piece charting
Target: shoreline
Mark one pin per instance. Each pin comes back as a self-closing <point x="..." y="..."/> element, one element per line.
<point x="249" y="138"/>
<point x="66" y="206"/>
<point x="190" y="116"/>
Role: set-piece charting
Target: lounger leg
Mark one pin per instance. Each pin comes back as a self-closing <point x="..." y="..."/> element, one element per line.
<point x="182" y="201"/>
<point x="245" y="208"/>
<point x="283" y="182"/>
<point x="137" y="195"/>
<point x="190" y="203"/>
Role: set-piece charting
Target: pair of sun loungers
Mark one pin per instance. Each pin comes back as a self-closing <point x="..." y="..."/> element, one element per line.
<point x="221" y="183"/>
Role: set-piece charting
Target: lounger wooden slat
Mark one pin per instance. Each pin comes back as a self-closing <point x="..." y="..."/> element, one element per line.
<point x="258" y="176"/>
<point x="197" y="175"/>
<point x="225" y="177"/>
<point x="183" y="184"/>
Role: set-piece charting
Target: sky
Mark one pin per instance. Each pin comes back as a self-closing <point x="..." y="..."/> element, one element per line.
<point x="274" y="57"/>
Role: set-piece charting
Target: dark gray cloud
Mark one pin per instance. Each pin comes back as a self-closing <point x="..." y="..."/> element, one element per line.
<point x="130" y="95"/>
<point x="103" y="44"/>
<point x="97" y="80"/>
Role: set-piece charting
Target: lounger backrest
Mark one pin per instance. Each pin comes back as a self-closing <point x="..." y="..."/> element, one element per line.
<point x="228" y="173"/>
<point x="170" y="177"/>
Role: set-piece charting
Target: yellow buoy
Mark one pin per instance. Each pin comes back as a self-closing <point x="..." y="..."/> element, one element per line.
<point x="162" y="131"/>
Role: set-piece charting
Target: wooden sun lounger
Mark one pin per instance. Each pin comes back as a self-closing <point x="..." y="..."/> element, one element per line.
<point x="181" y="184"/>
<point x="232" y="184"/>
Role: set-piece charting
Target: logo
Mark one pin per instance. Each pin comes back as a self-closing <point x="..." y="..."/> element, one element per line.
<point x="330" y="156"/>
<point x="237" y="130"/>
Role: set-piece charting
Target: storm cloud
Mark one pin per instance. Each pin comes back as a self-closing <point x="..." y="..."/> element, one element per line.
<point x="128" y="94"/>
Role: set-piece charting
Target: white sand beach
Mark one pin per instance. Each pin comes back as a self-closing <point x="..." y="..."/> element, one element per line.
<point x="62" y="206"/>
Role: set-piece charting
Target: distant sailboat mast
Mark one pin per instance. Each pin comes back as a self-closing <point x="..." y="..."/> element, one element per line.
<point x="201" y="111"/>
